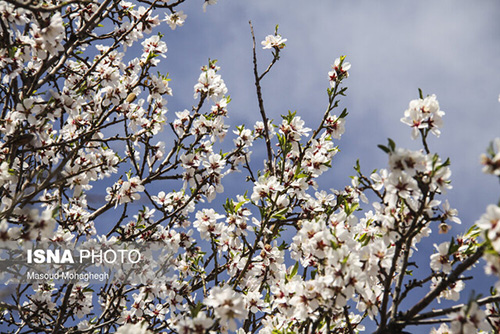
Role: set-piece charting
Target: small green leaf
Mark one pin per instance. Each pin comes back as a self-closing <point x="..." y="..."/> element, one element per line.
<point x="357" y="167"/>
<point x="294" y="270"/>
<point x="196" y="309"/>
<point x="384" y="148"/>
<point x="392" y="144"/>
<point x="239" y="205"/>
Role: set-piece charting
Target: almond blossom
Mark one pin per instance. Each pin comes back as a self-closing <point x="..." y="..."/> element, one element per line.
<point x="286" y="253"/>
<point x="273" y="41"/>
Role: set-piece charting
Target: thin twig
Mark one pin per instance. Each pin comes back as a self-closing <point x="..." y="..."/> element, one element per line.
<point x="261" y="106"/>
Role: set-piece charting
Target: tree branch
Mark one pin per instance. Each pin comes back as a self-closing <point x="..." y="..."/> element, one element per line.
<point x="261" y="106"/>
<point x="452" y="277"/>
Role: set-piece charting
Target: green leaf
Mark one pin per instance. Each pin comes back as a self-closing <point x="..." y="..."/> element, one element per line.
<point x="290" y="116"/>
<point x="446" y="163"/>
<point x="384" y="148"/>
<point x="365" y="239"/>
<point x="392" y="144"/>
<point x="357" y="167"/>
<point x="294" y="270"/>
<point x="279" y="214"/>
<point x="195" y="309"/>
<point x="283" y="246"/>
<point x="239" y="205"/>
<point x="350" y="208"/>
<point x="229" y="206"/>
<point x="313" y="273"/>
<point x="453" y="246"/>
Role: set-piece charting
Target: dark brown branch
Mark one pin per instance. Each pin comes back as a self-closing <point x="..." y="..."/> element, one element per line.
<point x="63" y="309"/>
<point x="270" y="164"/>
<point x="452" y="277"/>
<point x="440" y="312"/>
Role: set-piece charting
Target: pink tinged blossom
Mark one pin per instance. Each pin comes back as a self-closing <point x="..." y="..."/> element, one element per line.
<point x="215" y="163"/>
<point x="339" y="71"/>
<point x="265" y="187"/>
<point x="228" y="305"/>
<point x="491" y="162"/>
<point x="424" y="114"/>
<point x="273" y="41"/>
<point x="469" y="320"/>
<point x="450" y="213"/>
<point x="245" y="138"/>
<point x="335" y="126"/>
<point x="440" y="261"/>
<point x="125" y="191"/>
<point x="409" y="161"/>
<point x="181" y="121"/>
<point x="379" y="179"/>
<point x="489" y="223"/>
<point x="189" y="325"/>
<point x="452" y="292"/>
<point x="206" y="223"/>
<point x="153" y="47"/>
<point x="369" y="302"/>
<point x="441" y="180"/>
<point x="176" y="19"/>
<point x="53" y="34"/>
<point x="294" y="129"/>
<point x="138" y="328"/>
<point x="254" y="302"/>
<point x="443" y="329"/>
<point x="211" y="85"/>
<point x="259" y="129"/>
<point x="81" y="297"/>
<point x="146" y="21"/>
<point x="402" y="185"/>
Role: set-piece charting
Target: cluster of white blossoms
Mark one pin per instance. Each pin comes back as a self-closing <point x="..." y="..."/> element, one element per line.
<point x="210" y="84"/>
<point x="125" y="191"/>
<point x="491" y="161"/>
<point x="273" y="41"/>
<point x="489" y="226"/>
<point x="176" y="19"/>
<point x="228" y="305"/>
<point x="137" y="328"/>
<point x="80" y="116"/>
<point x="469" y="320"/>
<point x="424" y="115"/>
<point x="339" y="71"/>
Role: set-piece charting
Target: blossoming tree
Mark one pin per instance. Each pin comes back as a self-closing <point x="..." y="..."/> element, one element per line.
<point x="285" y="256"/>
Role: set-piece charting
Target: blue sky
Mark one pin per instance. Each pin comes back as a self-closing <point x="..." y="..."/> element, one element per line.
<point x="447" y="48"/>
